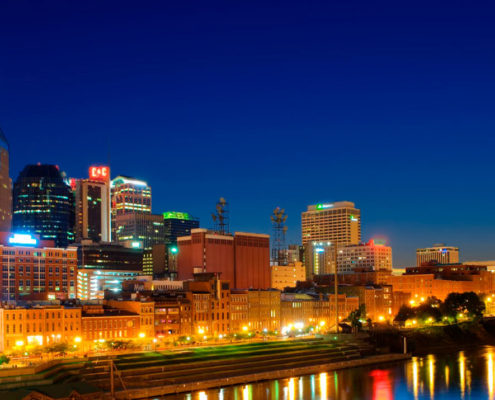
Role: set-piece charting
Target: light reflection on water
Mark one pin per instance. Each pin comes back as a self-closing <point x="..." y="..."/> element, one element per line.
<point x="462" y="375"/>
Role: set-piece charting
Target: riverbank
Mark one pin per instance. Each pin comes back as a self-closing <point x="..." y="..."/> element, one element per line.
<point x="151" y="392"/>
<point x="438" y="338"/>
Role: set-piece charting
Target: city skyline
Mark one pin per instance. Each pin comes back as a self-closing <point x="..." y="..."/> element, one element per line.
<point x="405" y="99"/>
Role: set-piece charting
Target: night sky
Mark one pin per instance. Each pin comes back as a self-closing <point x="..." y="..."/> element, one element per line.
<point x="389" y="105"/>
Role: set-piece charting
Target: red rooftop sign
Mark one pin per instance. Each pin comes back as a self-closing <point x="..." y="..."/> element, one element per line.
<point x="99" y="173"/>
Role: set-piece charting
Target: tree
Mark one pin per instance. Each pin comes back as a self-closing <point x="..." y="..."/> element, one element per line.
<point x="429" y="309"/>
<point x="474" y="306"/>
<point x="4" y="359"/>
<point x="405" y="313"/>
<point x="355" y="317"/>
<point x="463" y="303"/>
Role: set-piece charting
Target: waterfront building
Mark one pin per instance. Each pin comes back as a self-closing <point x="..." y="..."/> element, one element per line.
<point x="104" y="267"/>
<point x="439" y="253"/>
<point x="101" y="323"/>
<point x="283" y="276"/>
<point x="377" y="299"/>
<point x="44" y="204"/>
<point x="93" y="206"/>
<point x="243" y="259"/>
<point x="38" y="326"/>
<point x="210" y="304"/>
<point x="239" y="309"/>
<point x="304" y="310"/>
<point x="129" y="196"/>
<point x="374" y="255"/>
<point x="145" y="310"/>
<point x="173" y="316"/>
<point x="264" y="310"/>
<point x="338" y="222"/>
<point x="34" y="269"/>
<point x="5" y="186"/>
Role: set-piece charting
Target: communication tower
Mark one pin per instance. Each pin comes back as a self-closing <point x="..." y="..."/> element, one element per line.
<point x="221" y="217"/>
<point x="279" y="252"/>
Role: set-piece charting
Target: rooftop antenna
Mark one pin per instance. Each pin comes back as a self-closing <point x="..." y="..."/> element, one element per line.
<point x="221" y="216"/>
<point x="278" y="219"/>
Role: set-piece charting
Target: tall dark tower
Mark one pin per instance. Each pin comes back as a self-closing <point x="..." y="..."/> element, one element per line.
<point x="44" y="204"/>
<point x="5" y="186"/>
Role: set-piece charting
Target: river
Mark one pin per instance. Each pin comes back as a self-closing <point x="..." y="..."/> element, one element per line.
<point x="457" y="375"/>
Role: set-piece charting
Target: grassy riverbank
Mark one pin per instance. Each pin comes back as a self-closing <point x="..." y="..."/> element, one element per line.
<point x="183" y="370"/>
<point x="438" y="338"/>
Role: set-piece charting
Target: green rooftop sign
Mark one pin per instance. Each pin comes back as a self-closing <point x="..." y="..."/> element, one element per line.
<point x="176" y="215"/>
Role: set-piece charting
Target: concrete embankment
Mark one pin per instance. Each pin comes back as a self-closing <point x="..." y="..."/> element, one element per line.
<point x="150" y="392"/>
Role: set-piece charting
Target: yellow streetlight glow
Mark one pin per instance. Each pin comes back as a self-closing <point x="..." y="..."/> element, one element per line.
<point x="19" y="343"/>
<point x="245" y="328"/>
<point x="142" y="335"/>
<point x="77" y="339"/>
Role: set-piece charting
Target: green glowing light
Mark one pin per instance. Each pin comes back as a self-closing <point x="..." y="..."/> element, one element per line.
<point x="177" y="215"/>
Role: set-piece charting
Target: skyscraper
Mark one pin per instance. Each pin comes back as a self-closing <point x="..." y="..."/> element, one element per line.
<point x="145" y="229"/>
<point x="93" y="206"/>
<point x="338" y="223"/>
<point x="178" y="224"/>
<point x="5" y="186"/>
<point x="44" y="204"/>
<point x="129" y="196"/>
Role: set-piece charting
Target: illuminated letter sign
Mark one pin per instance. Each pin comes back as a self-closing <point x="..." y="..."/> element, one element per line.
<point x="23" y="239"/>
<point x="99" y="173"/>
<point x="323" y="206"/>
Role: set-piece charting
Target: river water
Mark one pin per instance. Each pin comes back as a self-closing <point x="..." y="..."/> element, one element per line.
<point x="457" y="375"/>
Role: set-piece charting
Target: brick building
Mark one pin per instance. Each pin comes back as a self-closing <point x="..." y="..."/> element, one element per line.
<point x="243" y="259"/>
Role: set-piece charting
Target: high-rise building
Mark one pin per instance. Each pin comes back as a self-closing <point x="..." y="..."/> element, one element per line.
<point x="5" y="186"/>
<point x="93" y="206"/>
<point x="319" y="259"/>
<point x="145" y="229"/>
<point x="243" y="259"/>
<point x="374" y="255"/>
<point x="129" y="196"/>
<point x="439" y="253"/>
<point x="178" y="224"/>
<point x="338" y="223"/>
<point x="44" y="204"/>
<point x="34" y="269"/>
<point x="104" y="266"/>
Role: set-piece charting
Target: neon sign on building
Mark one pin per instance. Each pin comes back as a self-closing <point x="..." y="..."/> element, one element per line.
<point x="23" y="239"/>
<point x="99" y="173"/>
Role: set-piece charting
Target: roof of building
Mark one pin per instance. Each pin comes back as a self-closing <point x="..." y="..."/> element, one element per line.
<point x="107" y="312"/>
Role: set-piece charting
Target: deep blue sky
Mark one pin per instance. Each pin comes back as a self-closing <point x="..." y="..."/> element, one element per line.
<point x="387" y="104"/>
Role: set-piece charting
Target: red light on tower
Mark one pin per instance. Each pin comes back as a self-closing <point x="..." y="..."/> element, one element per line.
<point x="99" y="173"/>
